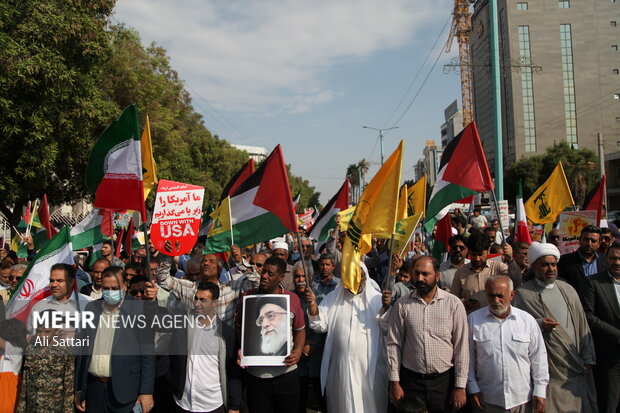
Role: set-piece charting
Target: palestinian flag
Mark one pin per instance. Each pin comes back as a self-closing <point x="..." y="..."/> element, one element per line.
<point x="242" y="174"/>
<point x="88" y="232"/>
<point x="595" y="200"/>
<point x="34" y="285"/>
<point x="463" y="172"/>
<point x="326" y="220"/>
<point x="296" y="199"/>
<point x="441" y="244"/>
<point x="522" y="232"/>
<point x="260" y="209"/>
<point x="114" y="170"/>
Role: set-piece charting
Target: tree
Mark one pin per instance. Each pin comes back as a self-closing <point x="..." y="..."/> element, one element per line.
<point x="580" y="167"/>
<point x="51" y="104"/>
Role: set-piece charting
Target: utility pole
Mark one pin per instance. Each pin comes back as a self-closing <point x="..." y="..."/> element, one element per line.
<point x="601" y="153"/>
<point x="381" y="136"/>
<point x="497" y="100"/>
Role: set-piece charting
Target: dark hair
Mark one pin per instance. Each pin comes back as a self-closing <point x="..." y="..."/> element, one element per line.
<point x="211" y="287"/>
<point x="14" y="331"/>
<point x="606" y="231"/>
<point x="327" y="256"/>
<point x="111" y="271"/>
<point x="278" y="262"/>
<point x="489" y="229"/>
<point x="5" y="265"/>
<point x="454" y="239"/>
<point x="68" y="269"/>
<point x="614" y="246"/>
<point x="592" y="229"/>
<point x="495" y="248"/>
<point x="134" y="266"/>
<point x="430" y="258"/>
<point x="520" y="245"/>
<point x="477" y="242"/>
<point x="107" y="242"/>
<point x="138" y="279"/>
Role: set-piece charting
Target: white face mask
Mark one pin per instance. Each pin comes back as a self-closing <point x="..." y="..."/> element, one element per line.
<point x="112" y="297"/>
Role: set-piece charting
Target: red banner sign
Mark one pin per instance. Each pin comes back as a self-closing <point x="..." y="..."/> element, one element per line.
<point x="176" y="218"/>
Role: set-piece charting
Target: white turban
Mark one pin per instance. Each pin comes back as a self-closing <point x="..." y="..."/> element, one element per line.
<point x="280" y="245"/>
<point x="538" y="250"/>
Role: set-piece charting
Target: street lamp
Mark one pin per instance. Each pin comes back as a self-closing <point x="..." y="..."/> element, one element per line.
<point x="381" y="136"/>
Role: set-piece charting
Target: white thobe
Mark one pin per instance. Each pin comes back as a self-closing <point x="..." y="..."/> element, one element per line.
<point x="349" y="387"/>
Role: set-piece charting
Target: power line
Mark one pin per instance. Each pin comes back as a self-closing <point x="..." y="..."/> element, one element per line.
<point x="419" y="70"/>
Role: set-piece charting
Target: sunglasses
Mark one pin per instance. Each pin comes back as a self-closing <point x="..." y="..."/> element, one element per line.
<point x="606" y="238"/>
<point x="256" y="264"/>
<point x="136" y="292"/>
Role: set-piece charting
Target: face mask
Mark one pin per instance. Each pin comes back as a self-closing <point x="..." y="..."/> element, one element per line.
<point x="295" y="256"/>
<point x="112" y="297"/>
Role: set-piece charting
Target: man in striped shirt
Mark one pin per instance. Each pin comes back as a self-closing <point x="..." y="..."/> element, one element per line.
<point x="427" y="344"/>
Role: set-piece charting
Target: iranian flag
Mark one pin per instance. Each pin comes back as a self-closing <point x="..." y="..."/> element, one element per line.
<point x="260" y="209"/>
<point x="114" y="170"/>
<point x="463" y="172"/>
<point x="326" y="220"/>
<point x="34" y="285"/>
<point x="89" y="231"/>
<point x="522" y="233"/>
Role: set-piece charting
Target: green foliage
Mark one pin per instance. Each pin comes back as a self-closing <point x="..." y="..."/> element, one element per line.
<point x="51" y="104"/>
<point x="580" y="167"/>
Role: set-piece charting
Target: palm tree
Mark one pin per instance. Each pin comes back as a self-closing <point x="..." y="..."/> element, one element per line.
<point x="363" y="166"/>
<point x="353" y="173"/>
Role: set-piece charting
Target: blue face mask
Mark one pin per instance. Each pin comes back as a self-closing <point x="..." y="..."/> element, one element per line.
<point x="294" y="256"/>
<point x="112" y="297"/>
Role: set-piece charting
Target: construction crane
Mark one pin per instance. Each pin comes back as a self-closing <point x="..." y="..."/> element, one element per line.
<point x="461" y="29"/>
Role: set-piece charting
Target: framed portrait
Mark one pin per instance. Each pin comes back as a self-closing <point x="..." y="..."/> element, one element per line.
<point x="266" y="337"/>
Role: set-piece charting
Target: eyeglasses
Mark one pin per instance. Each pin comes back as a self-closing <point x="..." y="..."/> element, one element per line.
<point x="136" y="292"/>
<point x="269" y="315"/>
<point x="606" y="239"/>
<point x="256" y="264"/>
<point x="306" y="246"/>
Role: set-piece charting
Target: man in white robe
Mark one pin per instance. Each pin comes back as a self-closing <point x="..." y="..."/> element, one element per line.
<point x="353" y="368"/>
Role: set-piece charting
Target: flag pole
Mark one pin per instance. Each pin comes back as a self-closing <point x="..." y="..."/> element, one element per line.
<point x="499" y="217"/>
<point x="303" y="260"/>
<point x="391" y="279"/>
<point x="232" y="236"/>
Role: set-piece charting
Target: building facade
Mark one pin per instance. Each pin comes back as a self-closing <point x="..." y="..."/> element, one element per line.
<point x="453" y="124"/>
<point x="429" y="163"/>
<point x="560" y="75"/>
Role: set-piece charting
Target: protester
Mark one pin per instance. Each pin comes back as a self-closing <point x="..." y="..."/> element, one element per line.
<point x="117" y="369"/>
<point x="508" y="369"/>
<point x="275" y="389"/>
<point x="607" y="238"/>
<point x="15" y="276"/>
<point x="312" y="264"/>
<point x="203" y="373"/>
<point x="377" y="260"/>
<point x="556" y="307"/>
<point x="477" y="220"/>
<point x="577" y="266"/>
<point x="520" y="256"/>
<point x="12" y="346"/>
<point x="400" y="273"/>
<point x="457" y="257"/>
<point x="601" y="302"/>
<point x="107" y="251"/>
<point x="469" y="279"/>
<point x="325" y="282"/>
<point x="5" y="282"/>
<point x="429" y="318"/>
<point x="553" y="237"/>
<point x="94" y="290"/>
<point x="353" y="373"/>
<point x="48" y="373"/>
<point x="280" y="250"/>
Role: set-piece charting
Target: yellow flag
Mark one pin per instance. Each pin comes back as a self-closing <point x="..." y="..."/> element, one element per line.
<point x="149" y="169"/>
<point x="221" y="218"/>
<point x="345" y="218"/>
<point x="374" y="213"/>
<point x="403" y="232"/>
<point x="550" y="199"/>
<point x="416" y="197"/>
<point x="401" y="212"/>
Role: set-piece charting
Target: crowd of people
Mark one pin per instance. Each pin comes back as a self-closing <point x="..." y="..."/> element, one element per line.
<point x="498" y="326"/>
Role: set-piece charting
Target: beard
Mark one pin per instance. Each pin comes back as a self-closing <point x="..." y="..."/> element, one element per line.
<point x="424" y="288"/>
<point x="272" y="342"/>
<point x="499" y="309"/>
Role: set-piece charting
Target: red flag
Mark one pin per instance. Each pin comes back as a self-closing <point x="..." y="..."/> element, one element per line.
<point x="522" y="232"/>
<point x="107" y="222"/>
<point x="119" y="243"/>
<point x="44" y="218"/>
<point x="26" y="216"/>
<point x="442" y="237"/>
<point x="595" y="200"/>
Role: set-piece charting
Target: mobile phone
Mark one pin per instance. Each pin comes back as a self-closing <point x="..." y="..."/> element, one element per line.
<point x="137" y="408"/>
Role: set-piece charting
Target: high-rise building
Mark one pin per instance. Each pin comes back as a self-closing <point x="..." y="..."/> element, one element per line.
<point x="560" y="75"/>
<point x="429" y="163"/>
<point x="453" y="124"/>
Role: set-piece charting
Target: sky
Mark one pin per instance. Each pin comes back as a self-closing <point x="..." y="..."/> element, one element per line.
<point x="309" y="74"/>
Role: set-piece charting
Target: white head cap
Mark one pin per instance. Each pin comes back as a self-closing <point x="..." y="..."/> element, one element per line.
<point x="279" y="245"/>
<point x="538" y="250"/>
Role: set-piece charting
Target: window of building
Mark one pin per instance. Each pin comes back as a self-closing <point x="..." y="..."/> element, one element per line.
<point x="616" y="95"/>
<point x="613" y="23"/>
<point x="564" y="4"/>
<point x="614" y="47"/>
<point x="522" y="6"/>
<point x="527" y="91"/>
<point x="616" y="71"/>
<point x="570" y="113"/>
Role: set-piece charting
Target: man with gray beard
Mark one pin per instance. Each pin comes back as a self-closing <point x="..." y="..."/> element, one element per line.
<point x="570" y="349"/>
<point x="508" y="369"/>
<point x="274" y="329"/>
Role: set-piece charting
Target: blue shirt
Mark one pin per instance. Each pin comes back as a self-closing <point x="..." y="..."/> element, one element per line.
<point x="321" y="290"/>
<point x="589" y="268"/>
